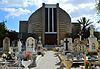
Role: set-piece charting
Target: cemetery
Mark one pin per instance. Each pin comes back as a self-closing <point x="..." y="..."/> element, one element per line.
<point x="49" y="40"/>
<point x="68" y="54"/>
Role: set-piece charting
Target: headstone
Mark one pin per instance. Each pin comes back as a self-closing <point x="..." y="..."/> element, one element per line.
<point x="11" y="49"/>
<point x="69" y="44"/>
<point x="65" y="44"/>
<point x="61" y="42"/>
<point x="40" y="40"/>
<point x="14" y="47"/>
<point x="30" y="44"/>
<point x="76" y="45"/>
<point x="61" y="48"/>
<point x="65" y="48"/>
<point x="19" y="46"/>
<point x="39" y="46"/>
<point x="6" y="44"/>
<point x="93" y="43"/>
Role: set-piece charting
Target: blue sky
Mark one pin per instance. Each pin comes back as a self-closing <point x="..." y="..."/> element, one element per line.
<point x="13" y="11"/>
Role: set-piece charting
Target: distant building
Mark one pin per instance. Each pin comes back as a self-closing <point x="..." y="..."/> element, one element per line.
<point x="50" y="22"/>
<point x="23" y="27"/>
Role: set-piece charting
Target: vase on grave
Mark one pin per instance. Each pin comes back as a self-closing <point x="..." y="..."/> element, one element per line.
<point x="26" y="63"/>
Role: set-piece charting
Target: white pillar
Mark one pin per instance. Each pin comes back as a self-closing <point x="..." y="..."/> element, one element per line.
<point x="52" y="21"/>
<point x="48" y="20"/>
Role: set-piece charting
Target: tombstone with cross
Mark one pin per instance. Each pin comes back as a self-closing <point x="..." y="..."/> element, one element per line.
<point x="65" y="45"/>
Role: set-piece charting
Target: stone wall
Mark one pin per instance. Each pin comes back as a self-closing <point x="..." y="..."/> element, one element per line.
<point x="35" y="22"/>
<point x="65" y="26"/>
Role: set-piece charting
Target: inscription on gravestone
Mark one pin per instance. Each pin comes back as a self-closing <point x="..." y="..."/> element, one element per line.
<point x="6" y="44"/>
<point x="30" y="44"/>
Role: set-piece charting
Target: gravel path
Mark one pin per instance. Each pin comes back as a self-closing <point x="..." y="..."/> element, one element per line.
<point x="48" y="61"/>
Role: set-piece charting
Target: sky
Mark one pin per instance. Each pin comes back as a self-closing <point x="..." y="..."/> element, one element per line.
<point x="14" y="11"/>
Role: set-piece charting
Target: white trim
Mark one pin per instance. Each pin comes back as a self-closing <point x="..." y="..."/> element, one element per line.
<point x="50" y="32"/>
<point x="48" y="20"/>
<point x="52" y="20"/>
<point x="50" y="5"/>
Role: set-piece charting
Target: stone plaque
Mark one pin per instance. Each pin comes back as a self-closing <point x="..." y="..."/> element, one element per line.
<point x="93" y="43"/>
<point x="6" y="44"/>
<point x="30" y="44"/>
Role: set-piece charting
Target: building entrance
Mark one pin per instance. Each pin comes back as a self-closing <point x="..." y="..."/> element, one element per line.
<point x="50" y="39"/>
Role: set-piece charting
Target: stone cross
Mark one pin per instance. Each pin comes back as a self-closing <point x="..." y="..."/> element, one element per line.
<point x="66" y="44"/>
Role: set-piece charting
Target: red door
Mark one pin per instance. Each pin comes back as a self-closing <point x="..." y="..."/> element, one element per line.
<point x="50" y="39"/>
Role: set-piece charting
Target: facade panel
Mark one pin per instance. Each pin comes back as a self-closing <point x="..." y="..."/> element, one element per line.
<point x="51" y="23"/>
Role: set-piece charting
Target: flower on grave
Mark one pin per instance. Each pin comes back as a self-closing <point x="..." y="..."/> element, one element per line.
<point x="27" y="55"/>
<point x="87" y="62"/>
<point x="9" y="57"/>
<point x="4" y="56"/>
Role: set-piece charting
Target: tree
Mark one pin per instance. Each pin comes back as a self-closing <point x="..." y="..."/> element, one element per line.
<point x="3" y="29"/>
<point x="84" y="23"/>
<point x="13" y="35"/>
<point x="98" y="6"/>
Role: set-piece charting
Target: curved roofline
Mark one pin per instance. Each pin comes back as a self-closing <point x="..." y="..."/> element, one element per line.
<point x="33" y="13"/>
<point x="66" y="13"/>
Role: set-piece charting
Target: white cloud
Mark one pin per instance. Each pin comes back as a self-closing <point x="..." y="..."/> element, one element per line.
<point x="16" y="3"/>
<point x="15" y="12"/>
<point x="68" y="7"/>
<point x="97" y="26"/>
<point x="75" y="8"/>
<point x="90" y="5"/>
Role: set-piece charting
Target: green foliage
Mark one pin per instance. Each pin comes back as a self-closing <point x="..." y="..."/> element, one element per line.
<point x="98" y="6"/>
<point x="84" y="23"/>
<point x="3" y="29"/>
<point x="97" y="35"/>
<point x="5" y="32"/>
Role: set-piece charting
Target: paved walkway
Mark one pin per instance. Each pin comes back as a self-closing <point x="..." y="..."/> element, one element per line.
<point x="48" y="61"/>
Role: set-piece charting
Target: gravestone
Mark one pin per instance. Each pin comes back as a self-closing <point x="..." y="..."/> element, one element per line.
<point x="69" y="44"/>
<point x="30" y="44"/>
<point x="40" y="40"/>
<point x="66" y="44"/>
<point x="14" y="46"/>
<point x="76" y="45"/>
<point x="93" y="43"/>
<point x="61" y="43"/>
<point x="6" y="44"/>
<point x="39" y="46"/>
<point x="19" y="46"/>
<point x="61" y="48"/>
